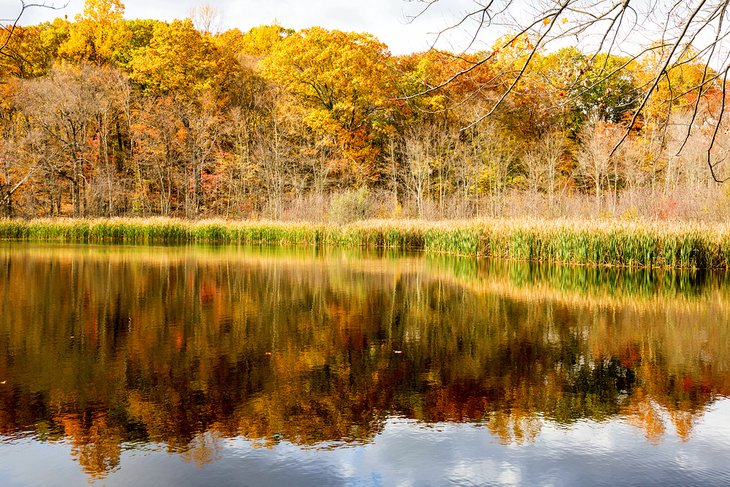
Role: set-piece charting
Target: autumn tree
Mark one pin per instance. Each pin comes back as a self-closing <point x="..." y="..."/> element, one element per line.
<point x="66" y="109"/>
<point x="260" y="40"/>
<point x="31" y="50"/>
<point x="275" y="158"/>
<point x="98" y="34"/>
<point x="158" y="133"/>
<point x="203" y="130"/>
<point x="495" y="164"/>
<point x="276" y="122"/>
<point x="341" y="79"/>
<point x="179" y="59"/>
<point x="181" y="66"/>
<point x="140" y="32"/>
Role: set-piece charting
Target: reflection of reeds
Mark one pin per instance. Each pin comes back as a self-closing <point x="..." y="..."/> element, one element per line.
<point x="525" y="281"/>
<point x="615" y="243"/>
<point x="586" y="286"/>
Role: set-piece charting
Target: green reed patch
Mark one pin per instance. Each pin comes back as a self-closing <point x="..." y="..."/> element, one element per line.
<point x="613" y="243"/>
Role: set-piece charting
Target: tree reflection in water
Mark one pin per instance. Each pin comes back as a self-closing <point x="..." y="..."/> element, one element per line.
<point x="110" y="347"/>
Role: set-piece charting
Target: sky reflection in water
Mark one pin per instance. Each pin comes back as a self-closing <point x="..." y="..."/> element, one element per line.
<point x="587" y="453"/>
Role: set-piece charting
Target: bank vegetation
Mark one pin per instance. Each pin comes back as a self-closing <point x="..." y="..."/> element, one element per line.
<point x="101" y="116"/>
<point x="609" y="242"/>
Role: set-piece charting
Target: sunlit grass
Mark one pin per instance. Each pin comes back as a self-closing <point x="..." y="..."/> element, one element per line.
<point x="610" y="242"/>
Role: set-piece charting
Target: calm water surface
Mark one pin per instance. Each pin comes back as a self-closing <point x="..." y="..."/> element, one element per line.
<point x="250" y="366"/>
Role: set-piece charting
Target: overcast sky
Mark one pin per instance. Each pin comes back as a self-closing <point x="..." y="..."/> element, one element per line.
<point x="386" y="19"/>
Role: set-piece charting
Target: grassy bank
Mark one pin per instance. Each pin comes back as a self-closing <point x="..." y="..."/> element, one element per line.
<point x="612" y="242"/>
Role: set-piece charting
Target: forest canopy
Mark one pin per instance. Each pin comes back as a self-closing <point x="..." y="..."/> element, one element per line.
<point x="106" y="116"/>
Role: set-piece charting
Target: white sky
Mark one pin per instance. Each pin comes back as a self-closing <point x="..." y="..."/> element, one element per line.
<point x="386" y="19"/>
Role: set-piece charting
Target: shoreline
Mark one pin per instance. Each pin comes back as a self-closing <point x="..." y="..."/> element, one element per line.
<point x="615" y="243"/>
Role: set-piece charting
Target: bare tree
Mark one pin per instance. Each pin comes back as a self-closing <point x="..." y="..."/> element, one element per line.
<point x="156" y="128"/>
<point x="273" y="158"/>
<point x="594" y="161"/>
<point x="420" y="155"/>
<point x="65" y="108"/>
<point x="206" y="18"/>
<point x="672" y="33"/>
<point x="542" y="163"/>
<point x="203" y="129"/>
<point x="16" y="168"/>
<point x="498" y="156"/>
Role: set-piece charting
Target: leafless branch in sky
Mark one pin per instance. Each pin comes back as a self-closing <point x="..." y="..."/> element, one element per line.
<point x="663" y="35"/>
<point x="9" y="24"/>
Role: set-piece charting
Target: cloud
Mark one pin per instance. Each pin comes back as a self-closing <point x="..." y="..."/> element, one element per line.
<point x="386" y="19"/>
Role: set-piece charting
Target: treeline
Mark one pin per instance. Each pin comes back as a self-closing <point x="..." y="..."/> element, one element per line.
<point x="104" y="116"/>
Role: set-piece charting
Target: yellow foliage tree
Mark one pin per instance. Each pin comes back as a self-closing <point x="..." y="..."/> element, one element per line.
<point x="180" y="59"/>
<point x="98" y="33"/>
<point x="342" y="80"/>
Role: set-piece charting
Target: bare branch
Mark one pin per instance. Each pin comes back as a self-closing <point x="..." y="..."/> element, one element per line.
<point x="9" y="29"/>
<point x="696" y="108"/>
<point x="661" y="72"/>
<point x="716" y="131"/>
<point x="679" y="33"/>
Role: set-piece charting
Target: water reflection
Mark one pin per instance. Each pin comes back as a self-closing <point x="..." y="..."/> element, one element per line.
<point x="109" y="348"/>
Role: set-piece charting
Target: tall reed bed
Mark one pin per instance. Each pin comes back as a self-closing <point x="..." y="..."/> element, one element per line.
<point x="159" y="230"/>
<point x="610" y="242"/>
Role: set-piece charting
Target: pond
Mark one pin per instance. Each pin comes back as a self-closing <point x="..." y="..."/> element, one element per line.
<point x="269" y="366"/>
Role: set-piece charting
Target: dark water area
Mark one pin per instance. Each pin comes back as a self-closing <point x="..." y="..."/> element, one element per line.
<point x="255" y="366"/>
